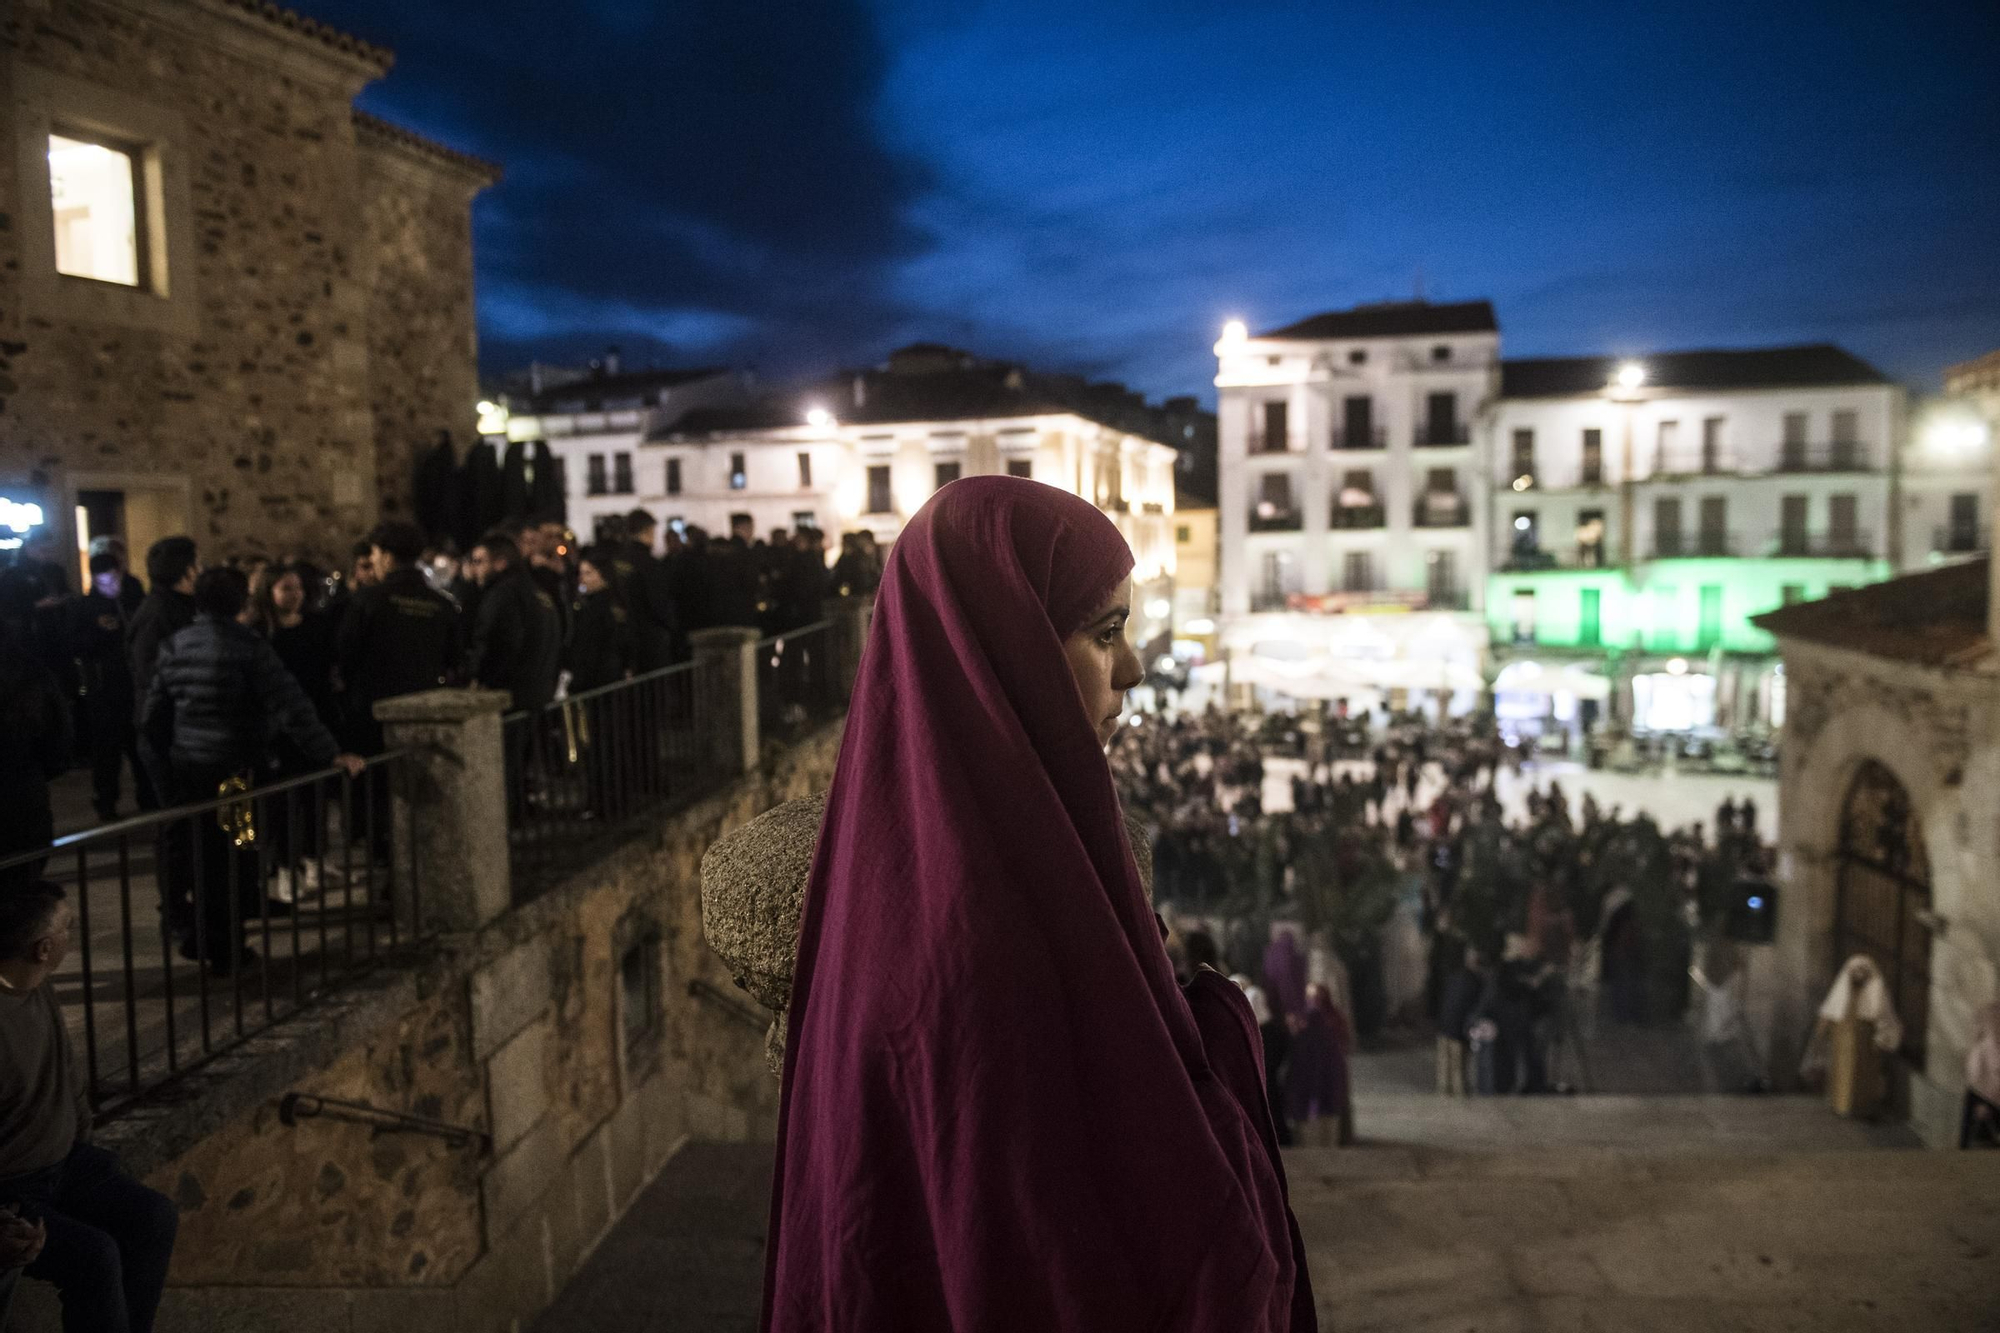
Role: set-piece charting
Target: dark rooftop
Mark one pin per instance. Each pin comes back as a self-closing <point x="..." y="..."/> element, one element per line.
<point x="1393" y="319"/>
<point x="1936" y="618"/>
<point x="1810" y="365"/>
<point x="932" y="382"/>
<point x="375" y="128"/>
<point x="313" y="30"/>
<point x="592" y="393"/>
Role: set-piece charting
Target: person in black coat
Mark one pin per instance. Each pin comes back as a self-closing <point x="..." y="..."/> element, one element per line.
<point x="34" y="733"/>
<point x="217" y="699"/>
<point x="107" y="707"/>
<point x="602" y="647"/>
<point x="646" y="590"/>
<point x="171" y="568"/>
<point x="398" y="636"/>
<point x="516" y="640"/>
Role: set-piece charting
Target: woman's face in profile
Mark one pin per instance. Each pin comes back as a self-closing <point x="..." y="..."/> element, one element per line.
<point x="1104" y="664"/>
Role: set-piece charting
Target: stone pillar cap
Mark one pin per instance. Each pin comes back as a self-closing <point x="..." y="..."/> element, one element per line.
<point x="442" y="706"/>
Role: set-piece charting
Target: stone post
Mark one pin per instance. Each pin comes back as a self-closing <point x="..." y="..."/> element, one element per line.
<point x="726" y="696"/>
<point x="452" y="809"/>
<point x="851" y="618"/>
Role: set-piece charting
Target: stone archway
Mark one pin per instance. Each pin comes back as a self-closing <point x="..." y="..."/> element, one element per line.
<point x="1882" y="895"/>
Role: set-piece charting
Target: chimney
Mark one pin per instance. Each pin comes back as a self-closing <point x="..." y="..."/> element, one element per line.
<point x="613" y="357"/>
<point x="861" y="391"/>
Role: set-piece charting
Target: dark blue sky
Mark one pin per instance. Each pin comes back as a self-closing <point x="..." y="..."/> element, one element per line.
<point x="1096" y="187"/>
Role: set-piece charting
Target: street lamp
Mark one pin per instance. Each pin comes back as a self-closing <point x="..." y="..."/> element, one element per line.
<point x="818" y="418"/>
<point x="1631" y="375"/>
<point x="1235" y="331"/>
<point x="1624" y="387"/>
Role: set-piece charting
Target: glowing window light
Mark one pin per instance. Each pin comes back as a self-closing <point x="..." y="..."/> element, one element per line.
<point x="92" y="192"/>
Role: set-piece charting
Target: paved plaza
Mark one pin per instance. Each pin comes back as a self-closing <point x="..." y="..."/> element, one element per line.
<point x="1617" y="1214"/>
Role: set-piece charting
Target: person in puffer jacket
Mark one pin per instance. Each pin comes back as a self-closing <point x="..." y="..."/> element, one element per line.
<point x="217" y="697"/>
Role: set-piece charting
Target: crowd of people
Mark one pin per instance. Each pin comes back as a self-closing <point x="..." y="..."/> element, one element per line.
<point x="1504" y="934"/>
<point x="194" y="677"/>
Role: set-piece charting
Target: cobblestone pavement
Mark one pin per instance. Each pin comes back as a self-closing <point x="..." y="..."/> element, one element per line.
<point x="1564" y="1214"/>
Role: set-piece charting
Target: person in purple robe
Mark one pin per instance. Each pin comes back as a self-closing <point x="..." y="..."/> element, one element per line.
<point x="1000" y="1112"/>
<point x="1321" y="1099"/>
<point x="1285" y="973"/>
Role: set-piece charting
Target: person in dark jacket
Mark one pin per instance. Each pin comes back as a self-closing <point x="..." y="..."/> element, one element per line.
<point x="516" y="641"/>
<point x="292" y="824"/>
<point x="34" y="733"/>
<point x="171" y="569"/>
<point x="218" y="697"/>
<point x="107" y="707"/>
<point x="397" y="637"/>
<point x="602" y="649"/>
<point x="689" y="579"/>
<point x="647" y="594"/>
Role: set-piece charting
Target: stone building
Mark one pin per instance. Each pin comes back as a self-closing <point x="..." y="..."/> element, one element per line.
<point x="1889" y="819"/>
<point x="230" y="304"/>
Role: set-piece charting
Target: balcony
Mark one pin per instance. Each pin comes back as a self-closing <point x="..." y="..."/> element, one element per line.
<point x="1447" y="599"/>
<point x="1271" y="599"/>
<point x="1375" y="437"/>
<point x="1693" y="462"/>
<point x="1850" y="456"/>
<point x="1576" y="557"/>
<point x="1268" y="517"/>
<point x="1694" y="545"/>
<point x="1260" y="443"/>
<point x="1438" y="510"/>
<point x="1954" y="540"/>
<point x="1442" y="435"/>
<point x="1826" y="545"/>
<point x="1356" y="518"/>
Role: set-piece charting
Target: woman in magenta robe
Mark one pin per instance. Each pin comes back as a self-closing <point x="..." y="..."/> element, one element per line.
<point x="1000" y="1112"/>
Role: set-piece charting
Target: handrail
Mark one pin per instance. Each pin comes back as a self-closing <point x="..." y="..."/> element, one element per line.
<point x="703" y="989"/>
<point x="296" y="1106"/>
<point x="149" y="818"/>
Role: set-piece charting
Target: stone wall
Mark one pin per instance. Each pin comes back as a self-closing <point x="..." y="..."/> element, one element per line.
<point x="526" y="1030"/>
<point x="1938" y="732"/>
<point x="247" y="385"/>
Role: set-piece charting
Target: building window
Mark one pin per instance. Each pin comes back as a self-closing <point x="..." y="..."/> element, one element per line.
<point x="1792" y="449"/>
<point x="1441" y="352"/>
<point x="1961" y="534"/>
<point x="1711" y="444"/>
<point x="1357" y="357"/>
<point x="1526" y="540"/>
<point x="1713" y="529"/>
<point x="739" y="475"/>
<point x="621" y="474"/>
<point x="1275" y="438"/>
<point x="1357" y="572"/>
<point x="1021" y="467"/>
<point x="673" y="476"/>
<point x="94" y="191"/>
<point x="641" y="988"/>
<point x="805" y="470"/>
<point x="1667" y="527"/>
<point x="878" y="489"/>
<point x="805" y="520"/>
<point x="1792" y="593"/>
<point x="1667" y="455"/>
<point x="1593" y="457"/>
<point x="1524" y="459"/>
<point x="1183" y="534"/>
<point x="1524" y="615"/>
<point x="947" y="473"/>
<point x="1590" y="629"/>
<point x="1590" y="538"/>
<point x="1709" y="627"/>
<point x="594" y="481"/>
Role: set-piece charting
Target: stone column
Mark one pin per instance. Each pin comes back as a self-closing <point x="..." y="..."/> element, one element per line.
<point x="851" y="618"/>
<point x="452" y="807"/>
<point x="726" y="695"/>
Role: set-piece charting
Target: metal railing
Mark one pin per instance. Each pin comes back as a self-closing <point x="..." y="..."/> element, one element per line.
<point x="1442" y="435"/>
<point x="1447" y="599"/>
<point x="1841" y="456"/>
<point x="158" y="983"/>
<point x="1270" y="518"/>
<point x="1831" y="545"/>
<point x="798" y="681"/>
<point x="1955" y="540"/>
<point x="1525" y="561"/>
<point x="1449" y="512"/>
<point x="1693" y="461"/>
<point x="1261" y="443"/>
<point x="1374" y="437"/>
<point x="1350" y="517"/>
<point x="1672" y="545"/>
<point x="584" y="771"/>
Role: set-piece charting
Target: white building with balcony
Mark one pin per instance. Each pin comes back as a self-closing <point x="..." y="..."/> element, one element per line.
<point x="1947" y="469"/>
<point x="598" y="425"/>
<point x="1644" y="510"/>
<point x="1352" y="503"/>
<point x="867" y="450"/>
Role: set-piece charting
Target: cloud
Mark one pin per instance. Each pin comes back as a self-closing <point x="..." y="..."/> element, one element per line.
<point x="705" y="168"/>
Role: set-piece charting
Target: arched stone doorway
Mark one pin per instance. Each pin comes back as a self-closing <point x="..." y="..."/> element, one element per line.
<point x="1883" y="895"/>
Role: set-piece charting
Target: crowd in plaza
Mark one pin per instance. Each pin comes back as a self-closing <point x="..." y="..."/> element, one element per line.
<point x="254" y="669"/>
<point x="1505" y="935"/>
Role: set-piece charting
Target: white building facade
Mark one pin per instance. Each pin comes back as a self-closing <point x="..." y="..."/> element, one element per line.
<point x="1352" y="522"/>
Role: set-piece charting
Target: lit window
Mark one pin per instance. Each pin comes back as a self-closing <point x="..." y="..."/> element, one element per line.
<point x="95" y="199"/>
